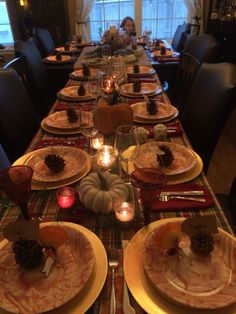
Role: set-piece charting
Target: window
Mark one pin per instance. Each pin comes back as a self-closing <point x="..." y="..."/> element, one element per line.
<point x="5" y="27"/>
<point x="159" y="16"/>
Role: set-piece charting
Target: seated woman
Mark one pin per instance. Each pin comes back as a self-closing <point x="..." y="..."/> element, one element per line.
<point x="129" y="26"/>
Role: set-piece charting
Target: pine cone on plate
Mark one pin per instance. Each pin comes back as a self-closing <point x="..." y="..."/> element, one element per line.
<point x="136" y="68"/>
<point x="58" y="56"/>
<point x="28" y="254"/>
<point x="85" y="69"/>
<point x="152" y="107"/>
<point x="166" y="159"/>
<point x="72" y="115"/>
<point x="137" y="86"/>
<point x="81" y="90"/>
<point x="202" y="243"/>
<point x="54" y="162"/>
<point x="67" y="46"/>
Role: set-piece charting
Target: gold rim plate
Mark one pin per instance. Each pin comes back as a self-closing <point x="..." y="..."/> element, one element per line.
<point x="147" y="297"/>
<point x="52" y="130"/>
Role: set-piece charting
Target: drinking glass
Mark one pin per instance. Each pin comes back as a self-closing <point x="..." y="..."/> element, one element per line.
<point x="126" y="145"/>
<point x="16" y="183"/>
<point x="148" y="183"/>
<point x="106" y="52"/>
<point x="94" y="85"/>
<point x="87" y="126"/>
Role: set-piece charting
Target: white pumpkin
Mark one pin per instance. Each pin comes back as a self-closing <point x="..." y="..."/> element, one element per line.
<point x="101" y="195"/>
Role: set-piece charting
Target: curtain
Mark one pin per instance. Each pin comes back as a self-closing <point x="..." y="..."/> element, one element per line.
<point x="195" y="12"/>
<point x="12" y="13"/>
<point x="83" y="10"/>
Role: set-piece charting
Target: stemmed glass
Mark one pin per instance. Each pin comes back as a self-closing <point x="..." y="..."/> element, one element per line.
<point x="94" y="85"/>
<point x="126" y="145"/>
<point x="16" y="183"/>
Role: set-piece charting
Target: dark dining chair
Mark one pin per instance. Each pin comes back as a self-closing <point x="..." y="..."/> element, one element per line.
<point x="211" y="101"/>
<point x="41" y="89"/>
<point x="4" y="161"/>
<point x="178" y="41"/>
<point x="18" y="119"/>
<point x="44" y="41"/>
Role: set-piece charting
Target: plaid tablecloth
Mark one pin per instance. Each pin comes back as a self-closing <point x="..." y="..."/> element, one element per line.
<point x="44" y="204"/>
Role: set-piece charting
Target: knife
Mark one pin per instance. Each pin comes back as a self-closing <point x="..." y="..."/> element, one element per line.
<point x="182" y="193"/>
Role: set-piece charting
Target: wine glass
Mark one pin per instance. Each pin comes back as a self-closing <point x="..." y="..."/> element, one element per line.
<point x="87" y="126"/>
<point x="94" y="85"/>
<point x="148" y="183"/>
<point x="106" y="53"/>
<point x="16" y="183"/>
<point x="126" y="145"/>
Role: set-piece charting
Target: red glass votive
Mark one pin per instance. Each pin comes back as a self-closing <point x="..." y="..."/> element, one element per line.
<point x="66" y="197"/>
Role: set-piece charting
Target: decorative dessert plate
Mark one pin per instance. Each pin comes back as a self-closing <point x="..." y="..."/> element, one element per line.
<point x="158" y="54"/>
<point x="53" y="59"/>
<point x="151" y="298"/>
<point x="78" y="74"/>
<point x="71" y="93"/>
<point x="146" y="89"/>
<point x="78" y="274"/>
<point x="173" y="179"/>
<point x="184" y="159"/>
<point x="59" y="120"/>
<point x="70" y="50"/>
<point x="164" y="111"/>
<point x="144" y="70"/>
<point x="75" y="161"/>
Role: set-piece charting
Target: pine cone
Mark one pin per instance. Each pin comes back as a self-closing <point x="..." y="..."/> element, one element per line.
<point x="85" y="69"/>
<point x="136" y="68"/>
<point x="81" y="90"/>
<point x="137" y="86"/>
<point x="163" y="51"/>
<point x="152" y="107"/>
<point x="58" y="56"/>
<point x="115" y="97"/>
<point x="72" y="115"/>
<point x="202" y="243"/>
<point x="28" y="254"/>
<point x="67" y="46"/>
<point x="54" y="162"/>
<point x="167" y="158"/>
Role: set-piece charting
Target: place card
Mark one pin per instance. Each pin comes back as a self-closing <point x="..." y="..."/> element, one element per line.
<point x="27" y="230"/>
<point x="206" y="224"/>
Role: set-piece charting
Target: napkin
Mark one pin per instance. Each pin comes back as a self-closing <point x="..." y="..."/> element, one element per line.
<point x="143" y="79"/>
<point x="166" y="59"/>
<point x="78" y="142"/>
<point x="175" y="204"/>
<point x="170" y="133"/>
<point x="61" y="105"/>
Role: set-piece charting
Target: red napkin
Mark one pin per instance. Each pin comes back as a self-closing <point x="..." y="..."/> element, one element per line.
<point x="61" y="105"/>
<point x="175" y="204"/>
<point x="79" y="142"/>
<point x="170" y="133"/>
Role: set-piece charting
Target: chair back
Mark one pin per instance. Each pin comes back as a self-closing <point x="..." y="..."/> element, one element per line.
<point x="211" y="101"/>
<point x="44" y="41"/>
<point x="18" y="119"/>
<point x="4" y="161"/>
<point x="178" y="41"/>
<point x="40" y="89"/>
<point x="203" y="47"/>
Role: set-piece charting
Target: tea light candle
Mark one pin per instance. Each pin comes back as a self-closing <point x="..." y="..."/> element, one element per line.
<point x="106" y="156"/>
<point x="97" y="141"/>
<point x="66" y="197"/>
<point x="125" y="212"/>
<point x="108" y="85"/>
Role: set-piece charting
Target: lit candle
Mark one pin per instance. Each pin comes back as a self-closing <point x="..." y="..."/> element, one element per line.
<point x="66" y="197"/>
<point x="108" y="85"/>
<point x="125" y="212"/>
<point x="106" y="156"/>
<point x="97" y="141"/>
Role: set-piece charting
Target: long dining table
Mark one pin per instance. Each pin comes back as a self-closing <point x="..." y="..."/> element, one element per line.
<point x="43" y="203"/>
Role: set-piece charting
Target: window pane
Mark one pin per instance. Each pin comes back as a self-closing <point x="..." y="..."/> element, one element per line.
<point x="5" y="28"/>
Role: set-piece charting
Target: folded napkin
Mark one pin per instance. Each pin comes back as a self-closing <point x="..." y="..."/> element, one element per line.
<point x="78" y="142"/>
<point x="177" y="204"/>
<point x="141" y="99"/>
<point x="178" y="131"/>
<point x="166" y="59"/>
<point x="143" y="79"/>
<point x="62" y="105"/>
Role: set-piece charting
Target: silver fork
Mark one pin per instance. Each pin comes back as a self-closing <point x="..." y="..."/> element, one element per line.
<point x="127" y="308"/>
<point x="113" y="263"/>
<point x="166" y="198"/>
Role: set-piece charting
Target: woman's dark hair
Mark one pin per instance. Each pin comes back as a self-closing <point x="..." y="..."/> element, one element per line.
<point x="122" y="24"/>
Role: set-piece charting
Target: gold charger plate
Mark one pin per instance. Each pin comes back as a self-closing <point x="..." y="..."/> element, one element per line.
<point x="148" y="89"/>
<point x="144" y="70"/>
<point x="64" y="59"/>
<point x="158" y="54"/>
<point x="147" y="297"/>
<point x="71" y="93"/>
<point x="59" y="120"/>
<point x="174" y="179"/>
<point x="52" y="130"/>
<point x="36" y="185"/>
<point x="82" y="301"/>
<point x="78" y="74"/>
<point x="165" y="112"/>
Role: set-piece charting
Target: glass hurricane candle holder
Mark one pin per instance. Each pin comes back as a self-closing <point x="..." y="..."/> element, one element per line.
<point x="97" y="141"/>
<point x="66" y="197"/>
<point x="106" y="156"/>
<point x="124" y="212"/>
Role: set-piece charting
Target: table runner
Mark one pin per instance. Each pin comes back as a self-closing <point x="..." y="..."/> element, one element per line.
<point x="43" y="204"/>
